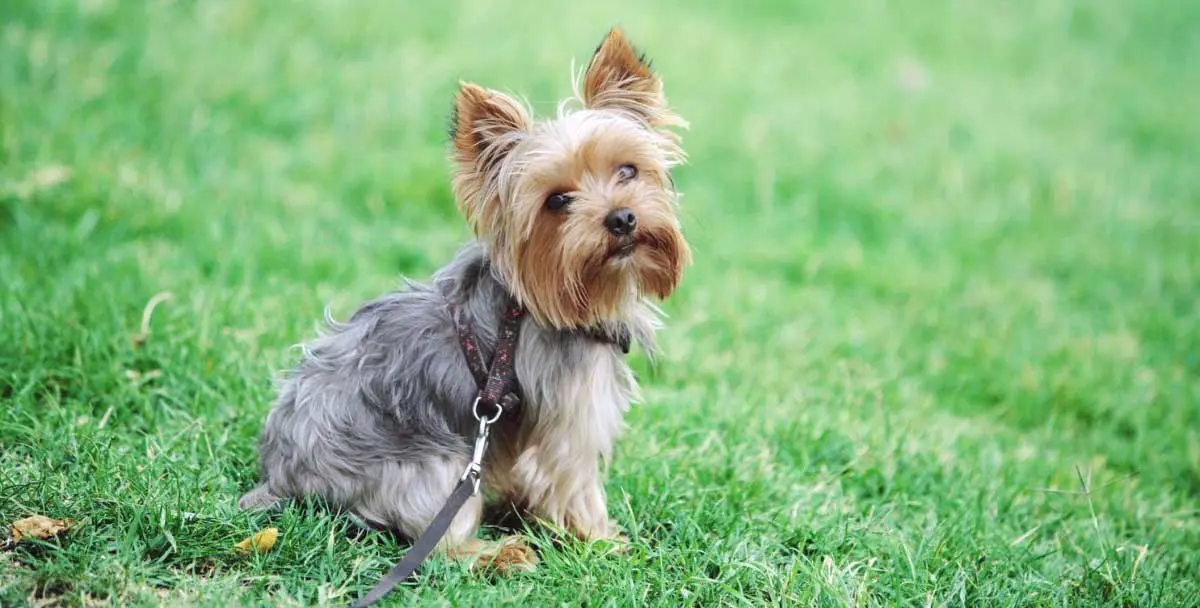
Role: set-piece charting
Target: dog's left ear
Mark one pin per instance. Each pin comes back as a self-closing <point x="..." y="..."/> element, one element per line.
<point x="618" y="78"/>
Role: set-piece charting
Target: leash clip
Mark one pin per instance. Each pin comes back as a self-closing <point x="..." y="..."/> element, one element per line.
<point x="475" y="467"/>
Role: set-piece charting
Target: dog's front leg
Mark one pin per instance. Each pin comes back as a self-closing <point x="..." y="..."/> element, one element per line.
<point x="586" y="510"/>
<point x="566" y="489"/>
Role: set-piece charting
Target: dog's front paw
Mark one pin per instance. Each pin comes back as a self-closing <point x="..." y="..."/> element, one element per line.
<point x="507" y="556"/>
<point x="259" y="499"/>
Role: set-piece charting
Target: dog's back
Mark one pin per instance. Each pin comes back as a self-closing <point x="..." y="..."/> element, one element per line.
<point x="385" y="387"/>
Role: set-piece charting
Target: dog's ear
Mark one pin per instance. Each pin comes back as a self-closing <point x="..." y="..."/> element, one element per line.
<point x="485" y="127"/>
<point x="618" y="78"/>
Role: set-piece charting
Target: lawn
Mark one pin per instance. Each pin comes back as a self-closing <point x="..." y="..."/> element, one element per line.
<point x="940" y="344"/>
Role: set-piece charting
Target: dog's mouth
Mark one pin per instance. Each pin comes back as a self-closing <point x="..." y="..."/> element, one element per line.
<point x="622" y="249"/>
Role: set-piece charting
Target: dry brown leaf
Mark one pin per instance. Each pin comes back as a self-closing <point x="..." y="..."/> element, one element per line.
<point x="37" y="526"/>
<point x="262" y="541"/>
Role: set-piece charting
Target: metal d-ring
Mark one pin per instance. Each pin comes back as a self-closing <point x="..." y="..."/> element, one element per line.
<point x="482" y="419"/>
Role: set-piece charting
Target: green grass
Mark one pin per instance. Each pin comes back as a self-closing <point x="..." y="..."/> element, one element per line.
<point x="940" y="346"/>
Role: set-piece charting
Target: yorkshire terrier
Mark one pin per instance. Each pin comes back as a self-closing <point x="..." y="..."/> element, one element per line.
<point x="575" y="218"/>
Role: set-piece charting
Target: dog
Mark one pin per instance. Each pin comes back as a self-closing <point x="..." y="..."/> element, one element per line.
<point x="574" y="217"/>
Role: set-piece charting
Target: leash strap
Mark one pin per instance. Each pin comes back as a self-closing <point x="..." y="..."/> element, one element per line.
<point x="497" y="389"/>
<point x="424" y="545"/>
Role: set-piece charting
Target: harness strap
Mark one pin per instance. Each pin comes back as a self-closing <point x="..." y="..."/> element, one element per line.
<point x="618" y="336"/>
<point x="497" y="382"/>
<point x="502" y="373"/>
<point x="470" y="347"/>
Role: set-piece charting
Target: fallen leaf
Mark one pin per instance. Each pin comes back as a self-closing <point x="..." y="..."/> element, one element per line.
<point x="37" y="526"/>
<point x="262" y="541"/>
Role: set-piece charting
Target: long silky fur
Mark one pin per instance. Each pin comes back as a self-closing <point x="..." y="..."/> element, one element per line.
<point x="376" y="416"/>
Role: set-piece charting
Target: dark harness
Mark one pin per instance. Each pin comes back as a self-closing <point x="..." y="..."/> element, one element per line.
<point x="499" y="392"/>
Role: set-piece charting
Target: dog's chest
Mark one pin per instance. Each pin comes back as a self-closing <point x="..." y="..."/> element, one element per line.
<point x="577" y="391"/>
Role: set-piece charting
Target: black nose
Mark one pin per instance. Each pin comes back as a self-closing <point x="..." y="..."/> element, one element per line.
<point x="620" y="222"/>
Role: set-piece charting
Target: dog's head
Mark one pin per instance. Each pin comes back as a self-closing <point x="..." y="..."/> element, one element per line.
<point x="578" y="212"/>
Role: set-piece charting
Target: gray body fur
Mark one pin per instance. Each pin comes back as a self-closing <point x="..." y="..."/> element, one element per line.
<point x="376" y="417"/>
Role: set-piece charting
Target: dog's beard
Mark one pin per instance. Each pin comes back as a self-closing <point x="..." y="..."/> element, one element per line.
<point x="574" y="276"/>
<point x="650" y="262"/>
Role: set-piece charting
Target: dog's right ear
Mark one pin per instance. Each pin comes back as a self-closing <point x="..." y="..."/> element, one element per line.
<point x="486" y="126"/>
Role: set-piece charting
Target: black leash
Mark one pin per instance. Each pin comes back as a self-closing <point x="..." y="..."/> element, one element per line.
<point x="424" y="545"/>
<point x="498" y="390"/>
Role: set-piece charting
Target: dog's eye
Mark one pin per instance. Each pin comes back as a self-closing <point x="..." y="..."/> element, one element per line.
<point x="626" y="172"/>
<point x="557" y="201"/>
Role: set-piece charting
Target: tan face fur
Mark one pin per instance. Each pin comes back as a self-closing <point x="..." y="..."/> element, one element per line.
<point x="561" y="259"/>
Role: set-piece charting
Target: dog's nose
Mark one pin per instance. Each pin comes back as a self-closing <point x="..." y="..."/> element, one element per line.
<point x="620" y="222"/>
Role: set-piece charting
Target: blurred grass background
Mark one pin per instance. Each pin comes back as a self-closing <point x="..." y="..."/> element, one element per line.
<point x="939" y="346"/>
